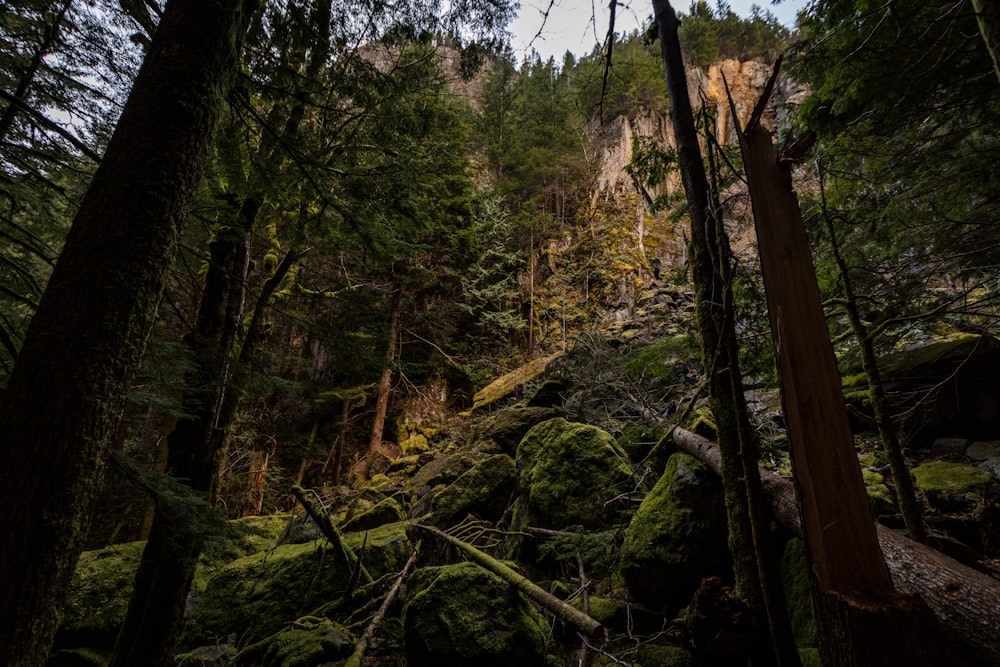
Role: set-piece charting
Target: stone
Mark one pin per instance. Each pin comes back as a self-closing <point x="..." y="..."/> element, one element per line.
<point x="484" y="492"/>
<point x="677" y="536"/>
<point x="569" y="474"/>
<point x="510" y="425"/>
<point x="952" y="487"/>
<point x="465" y="616"/>
<point x="981" y="451"/>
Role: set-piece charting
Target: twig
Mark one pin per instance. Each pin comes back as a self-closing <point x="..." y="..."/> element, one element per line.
<point x="333" y="535"/>
<point x="359" y="650"/>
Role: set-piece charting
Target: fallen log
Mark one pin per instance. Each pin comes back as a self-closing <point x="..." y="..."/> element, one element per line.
<point x="966" y="602"/>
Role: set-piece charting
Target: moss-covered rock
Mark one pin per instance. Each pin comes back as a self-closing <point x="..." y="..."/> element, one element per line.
<point x="621" y="617"/>
<point x="950" y="486"/>
<point x="99" y="595"/>
<point x="79" y="657"/>
<point x="464" y="615"/>
<point x="798" y="595"/>
<point x="442" y="469"/>
<point x="677" y="536"/>
<point x="308" y="641"/>
<point x="510" y="425"/>
<point x="485" y="492"/>
<point x="385" y="511"/>
<point x="568" y="473"/>
<point x="254" y="597"/>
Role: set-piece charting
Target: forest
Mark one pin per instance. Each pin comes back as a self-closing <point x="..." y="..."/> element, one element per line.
<point x="341" y="334"/>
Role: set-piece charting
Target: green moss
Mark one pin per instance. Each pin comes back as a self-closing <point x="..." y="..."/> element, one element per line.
<point x="254" y="597"/>
<point x="381" y="513"/>
<point x="660" y="655"/>
<point x="879" y="496"/>
<point x="484" y="491"/>
<point x="416" y="444"/>
<point x="810" y="657"/>
<point x="798" y="594"/>
<point x="569" y="473"/>
<point x="952" y="486"/>
<point x="308" y="641"/>
<point x="464" y="615"/>
<point x="510" y="425"/>
<point x="703" y="422"/>
<point x="99" y="595"/>
<point x="677" y="536"/>
<point x="621" y="617"/>
<point x="79" y="657"/>
<point x="505" y="385"/>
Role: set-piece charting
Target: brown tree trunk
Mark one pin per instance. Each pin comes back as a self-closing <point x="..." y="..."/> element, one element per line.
<point x="384" y="386"/>
<point x="710" y="260"/>
<point x="965" y="602"/>
<point x="853" y="594"/>
<point x="65" y="396"/>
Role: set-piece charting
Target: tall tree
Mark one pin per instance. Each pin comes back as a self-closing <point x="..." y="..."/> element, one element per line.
<point x="710" y="260"/>
<point x="63" y="401"/>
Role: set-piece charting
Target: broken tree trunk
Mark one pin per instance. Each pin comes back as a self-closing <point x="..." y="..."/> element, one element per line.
<point x="860" y="617"/>
<point x="965" y="602"/>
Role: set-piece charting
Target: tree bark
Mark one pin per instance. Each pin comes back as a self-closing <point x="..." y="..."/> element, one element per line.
<point x="988" y="14"/>
<point x="965" y="602"/>
<point x="710" y="261"/>
<point x="65" y="396"/>
<point x="384" y="386"/>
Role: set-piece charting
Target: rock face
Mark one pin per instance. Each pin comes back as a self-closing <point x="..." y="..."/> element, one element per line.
<point x="463" y="615"/>
<point x="677" y="536"/>
<point x="568" y="474"/>
<point x="484" y="492"/>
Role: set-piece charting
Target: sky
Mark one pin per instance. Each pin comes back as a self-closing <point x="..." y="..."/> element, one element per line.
<point x="570" y="24"/>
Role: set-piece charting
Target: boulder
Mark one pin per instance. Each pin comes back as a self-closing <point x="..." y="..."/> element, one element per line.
<point x="953" y="487"/>
<point x="569" y="474"/>
<point x="306" y="642"/>
<point x="677" y="536"/>
<point x="485" y="492"/>
<point x="462" y="615"/>
<point x="254" y="597"/>
<point x="510" y="425"/>
<point x="379" y="514"/>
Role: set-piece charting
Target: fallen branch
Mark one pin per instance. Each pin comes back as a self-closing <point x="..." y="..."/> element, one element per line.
<point x="594" y="630"/>
<point x="333" y="535"/>
<point x="359" y="650"/>
<point x="965" y="602"/>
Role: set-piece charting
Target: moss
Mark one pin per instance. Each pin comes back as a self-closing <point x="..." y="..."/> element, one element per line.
<point x="798" y="594"/>
<point x="416" y="444"/>
<point x="677" y="536"/>
<point x="569" y="474"/>
<point x="254" y="597"/>
<point x="308" y="641"/>
<point x="510" y="425"/>
<point x="621" y="617"/>
<point x="952" y="486"/>
<point x="810" y="657"/>
<point x="381" y="513"/>
<point x="484" y="491"/>
<point x="505" y="385"/>
<point x="464" y="615"/>
<point x="79" y="657"/>
<point x="660" y="655"/>
<point x="99" y="595"/>
<point x="879" y="496"/>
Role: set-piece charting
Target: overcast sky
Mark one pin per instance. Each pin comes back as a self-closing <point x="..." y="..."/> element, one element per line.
<point x="570" y="25"/>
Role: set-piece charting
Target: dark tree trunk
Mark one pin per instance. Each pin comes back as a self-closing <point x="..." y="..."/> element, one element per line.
<point x="384" y="386"/>
<point x="988" y="13"/>
<point x="710" y="260"/>
<point x="65" y="396"/>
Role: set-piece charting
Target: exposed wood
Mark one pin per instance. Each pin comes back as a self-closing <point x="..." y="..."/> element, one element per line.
<point x="839" y="530"/>
<point x="965" y="602"/>
<point x="359" y="649"/>
<point x="592" y="629"/>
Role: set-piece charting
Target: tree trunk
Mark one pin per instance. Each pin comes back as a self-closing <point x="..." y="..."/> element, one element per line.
<point x="65" y="396"/>
<point x="853" y="594"/>
<point x="710" y="259"/>
<point x="988" y="13"/>
<point x="965" y="602"/>
<point x="384" y="386"/>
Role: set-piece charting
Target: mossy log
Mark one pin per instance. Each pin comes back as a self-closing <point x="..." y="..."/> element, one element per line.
<point x="359" y="650"/>
<point x="965" y="602"/>
<point x="592" y="629"/>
